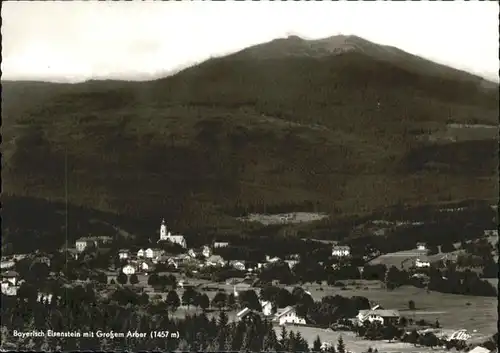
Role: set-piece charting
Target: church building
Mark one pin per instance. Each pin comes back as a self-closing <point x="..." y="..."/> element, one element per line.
<point x="167" y="236"/>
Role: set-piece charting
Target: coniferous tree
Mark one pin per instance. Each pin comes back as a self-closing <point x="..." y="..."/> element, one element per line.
<point x="122" y="278"/>
<point x="341" y="345"/>
<point x="317" y="344"/>
<point x="203" y="301"/>
<point x="283" y="341"/>
<point x="133" y="279"/>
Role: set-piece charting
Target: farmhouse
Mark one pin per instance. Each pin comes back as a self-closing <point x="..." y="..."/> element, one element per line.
<point x="4" y="265"/>
<point x="83" y="243"/>
<point x="422" y="262"/>
<point x="267" y="307"/>
<point x="5" y="285"/>
<point x="291" y="263"/>
<point x="141" y="253"/>
<point x="10" y="276"/>
<point x="44" y="297"/>
<point x="153" y="253"/>
<point x="128" y="270"/>
<point x="220" y="244"/>
<point x="272" y="259"/>
<point x="146" y="266"/>
<point x="491" y="233"/>
<point x="206" y="251"/>
<point x="237" y="264"/>
<point x="341" y="250"/>
<point x="167" y="236"/>
<point x="123" y="254"/>
<point x="376" y="314"/>
<point x="421" y="246"/>
<point x="215" y="260"/>
<point x="289" y="315"/>
<point x="8" y="289"/>
<point x="172" y="262"/>
<point x="247" y="314"/>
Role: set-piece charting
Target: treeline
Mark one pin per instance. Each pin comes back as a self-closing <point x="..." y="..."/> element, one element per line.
<point x="80" y="311"/>
<point x="448" y="280"/>
<point x="256" y="246"/>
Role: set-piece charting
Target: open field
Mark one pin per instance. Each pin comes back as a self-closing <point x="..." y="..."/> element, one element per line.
<point x="451" y="310"/>
<point x="406" y="259"/>
<point x="400" y="259"/>
<point x="355" y="344"/>
<point x="295" y="217"/>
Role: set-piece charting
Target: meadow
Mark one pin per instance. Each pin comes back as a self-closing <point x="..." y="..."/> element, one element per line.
<point x="478" y="315"/>
<point x="453" y="311"/>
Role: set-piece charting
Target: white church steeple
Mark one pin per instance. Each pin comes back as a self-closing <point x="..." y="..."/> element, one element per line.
<point x="163" y="231"/>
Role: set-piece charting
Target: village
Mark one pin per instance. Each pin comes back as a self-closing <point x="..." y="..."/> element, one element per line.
<point x="193" y="279"/>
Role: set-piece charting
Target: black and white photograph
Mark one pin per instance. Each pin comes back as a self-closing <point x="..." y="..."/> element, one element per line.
<point x="250" y="176"/>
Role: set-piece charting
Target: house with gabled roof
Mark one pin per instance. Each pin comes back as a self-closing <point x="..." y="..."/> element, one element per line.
<point x="123" y="254"/>
<point x="377" y="314"/>
<point x="247" y="314"/>
<point x="341" y="250"/>
<point x="11" y="277"/>
<point x="289" y="315"/>
<point x="220" y="244"/>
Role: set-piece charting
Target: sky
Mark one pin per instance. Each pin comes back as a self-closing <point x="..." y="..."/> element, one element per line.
<point x="77" y="41"/>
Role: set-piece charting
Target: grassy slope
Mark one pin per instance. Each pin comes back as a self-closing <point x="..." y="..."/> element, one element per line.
<point x="236" y="132"/>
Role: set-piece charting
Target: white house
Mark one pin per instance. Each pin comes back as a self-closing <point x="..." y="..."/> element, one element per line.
<point x="239" y="265"/>
<point x="82" y="243"/>
<point x="221" y="244"/>
<point x="128" y="269"/>
<point x="9" y="290"/>
<point x="206" y="251"/>
<point x="341" y="250"/>
<point x="291" y="263"/>
<point x="243" y="313"/>
<point x="215" y="260"/>
<point x="421" y="246"/>
<point x="123" y="254"/>
<point x="4" y="265"/>
<point x="5" y="284"/>
<point x="141" y="253"/>
<point x="11" y="277"/>
<point x="422" y="263"/>
<point x="167" y="236"/>
<point x="172" y="262"/>
<point x="382" y="316"/>
<point x="152" y="253"/>
<point x="289" y="315"/>
<point x="267" y="307"/>
<point x="44" y="296"/>
<point x="146" y="266"/>
<point x="272" y="259"/>
<point x="491" y="233"/>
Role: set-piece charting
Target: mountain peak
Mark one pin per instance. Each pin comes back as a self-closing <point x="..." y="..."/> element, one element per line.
<point x="296" y="46"/>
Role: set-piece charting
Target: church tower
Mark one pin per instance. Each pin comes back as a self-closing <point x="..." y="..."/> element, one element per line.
<point x="163" y="231"/>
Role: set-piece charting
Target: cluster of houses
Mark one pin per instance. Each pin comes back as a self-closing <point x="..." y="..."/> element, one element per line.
<point x="289" y="315"/>
<point x="145" y="260"/>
